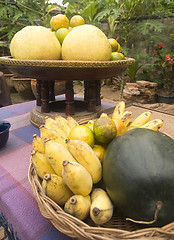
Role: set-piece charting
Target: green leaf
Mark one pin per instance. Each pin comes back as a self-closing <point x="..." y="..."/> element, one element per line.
<point x="90" y="10"/>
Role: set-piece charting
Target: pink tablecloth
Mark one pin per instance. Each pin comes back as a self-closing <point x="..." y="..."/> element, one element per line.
<point x="17" y="203"/>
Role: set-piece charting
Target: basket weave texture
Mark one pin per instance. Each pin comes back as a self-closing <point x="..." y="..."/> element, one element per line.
<point x="66" y="64"/>
<point x="117" y="228"/>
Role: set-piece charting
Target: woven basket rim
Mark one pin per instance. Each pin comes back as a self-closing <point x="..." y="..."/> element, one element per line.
<point x="74" y="227"/>
<point x="8" y="60"/>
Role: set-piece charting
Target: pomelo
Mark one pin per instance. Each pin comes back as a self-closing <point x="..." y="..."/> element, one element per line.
<point x="87" y="43"/>
<point x="35" y="42"/>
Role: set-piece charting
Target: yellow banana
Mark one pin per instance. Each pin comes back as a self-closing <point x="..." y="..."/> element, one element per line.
<point x="141" y="119"/>
<point x="72" y="122"/>
<point x="126" y="117"/>
<point x="38" y="144"/>
<point x="55" y="188"/>
<point x="118" y="110"/>
<point x="52" y="135"/>
<point x="52" y="124"/>
<point x="101" y="209"/>
<point x="155" y="124"/>
<point x="56" y="154"/>
<point x="41" y="164"/>
<point x="84" y="155"/>
<point x="77" y="178"/>
<point x="78" y="206"/>
<point x="63" y="123"/>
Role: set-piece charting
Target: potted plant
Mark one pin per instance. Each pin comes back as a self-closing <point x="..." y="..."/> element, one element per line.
<point x="163" y="72"/>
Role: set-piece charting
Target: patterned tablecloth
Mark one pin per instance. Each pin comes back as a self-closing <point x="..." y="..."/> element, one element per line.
<point x="18" y="206"/>
<point x="19" y="210"/>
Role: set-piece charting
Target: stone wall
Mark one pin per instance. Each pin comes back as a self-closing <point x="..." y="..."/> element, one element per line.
<point x="140" y="92"/>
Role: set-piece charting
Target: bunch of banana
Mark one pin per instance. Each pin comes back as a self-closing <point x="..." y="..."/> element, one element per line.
<point x="72" y="122"/>
<point x="54" y="125"/>
<point x="63" y="122"/>
<point x="85" y="156"/>
<point x="141" y="121"/>
<point x="47" y="133"/>
<point x="56" y="154"/>
<point x="155" y="124"/>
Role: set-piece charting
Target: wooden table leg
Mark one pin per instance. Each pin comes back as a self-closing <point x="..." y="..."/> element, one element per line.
<point x="98" y="93"/>
<point x="51" y="90"/>
<point x="86" y="92"/>
<point x="45" y="107"/>
<point x="38" y="92"/>
<point x="91" y="96"/>
<point x="69" y="94"/>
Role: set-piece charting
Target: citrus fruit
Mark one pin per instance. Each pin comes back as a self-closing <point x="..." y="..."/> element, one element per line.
<point x="118" y="48"/>
<point x="104" y="129"/>
<point x="99" y="151"/>
<point x="87" y="43"/>
<point x="114" y="44"/>
<point x="61" y="34"/>
<point x="121" y="128"/>
<point x="82" y="133"/>
<point x="36" y="43"/>
<point x="59" y="21"/>
<point x="77" y="20"/>
<point x="117" y="56"/>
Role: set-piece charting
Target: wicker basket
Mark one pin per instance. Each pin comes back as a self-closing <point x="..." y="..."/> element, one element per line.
<point x="116" y="228"/>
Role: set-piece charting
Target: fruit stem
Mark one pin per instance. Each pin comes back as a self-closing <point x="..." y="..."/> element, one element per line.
<point x="158" y="208"/>
<point x="96" y="211"/>
<point x="73" y="200"/>
<point x="47" y="177"/>
<point x="65" y="162"/>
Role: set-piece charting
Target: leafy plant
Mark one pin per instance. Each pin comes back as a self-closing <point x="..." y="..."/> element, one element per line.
<point x="18" y="14"/>
<point x="132" y="70"/>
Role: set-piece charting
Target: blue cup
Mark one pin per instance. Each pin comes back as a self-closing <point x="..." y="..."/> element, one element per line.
<point x="4" y="132"/>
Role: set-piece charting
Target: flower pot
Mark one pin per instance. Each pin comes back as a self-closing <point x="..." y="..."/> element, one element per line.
<point x="23" y="87"/>
<point x="162" y="98"/>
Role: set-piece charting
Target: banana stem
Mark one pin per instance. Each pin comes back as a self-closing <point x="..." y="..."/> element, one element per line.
<point x="73" y="200"/>
<point x="47" y="177"/>
<point x="95" y="211"/>
<point x="65" y="162"/>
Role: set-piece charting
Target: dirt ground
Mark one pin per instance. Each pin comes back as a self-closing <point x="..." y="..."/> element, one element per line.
<point x="109" y="93"/>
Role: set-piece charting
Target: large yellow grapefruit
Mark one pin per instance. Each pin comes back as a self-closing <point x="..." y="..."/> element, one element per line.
<point x="87" y="43"/>
<point x="35" y="42"/>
